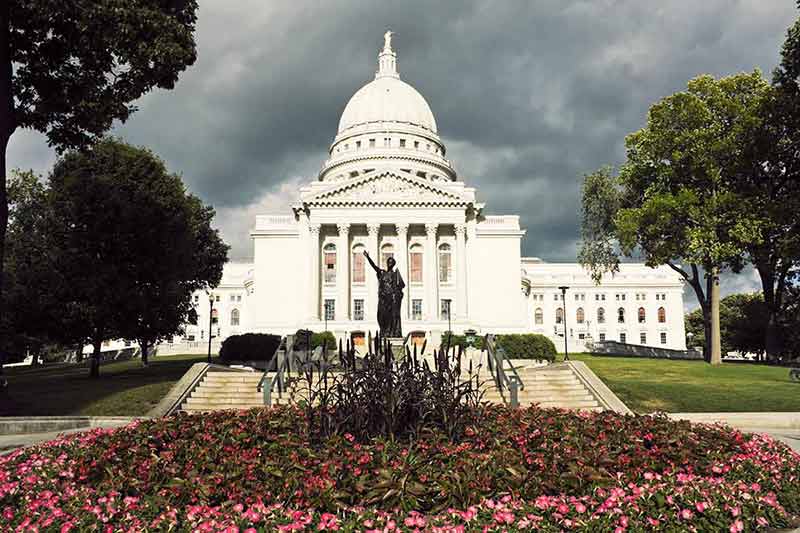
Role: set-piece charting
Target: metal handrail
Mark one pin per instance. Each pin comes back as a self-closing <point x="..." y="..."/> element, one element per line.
<point x="195" y="382"/>
<point x="278" y="364"/>
<point x="496" y="359"/>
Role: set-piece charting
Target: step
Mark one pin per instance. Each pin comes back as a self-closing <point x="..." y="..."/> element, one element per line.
<point x="244" y="387"/>
<point x="203" y="393"/>
<point x="566" y="404"/>
<point x="215" y="378"/>
<point x="224" y="401"/>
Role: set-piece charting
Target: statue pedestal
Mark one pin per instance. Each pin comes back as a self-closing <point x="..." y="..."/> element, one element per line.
<point x="397" y="345"/>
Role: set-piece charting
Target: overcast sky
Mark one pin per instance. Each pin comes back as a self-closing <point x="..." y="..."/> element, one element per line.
<point x="528" y="96"/>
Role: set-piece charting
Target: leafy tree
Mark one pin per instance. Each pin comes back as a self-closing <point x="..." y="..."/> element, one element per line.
<point x="743" y="319"/>
<point x="70" y="68"/>
<point x="127" y="245"/>
<point x="670" y="203"/>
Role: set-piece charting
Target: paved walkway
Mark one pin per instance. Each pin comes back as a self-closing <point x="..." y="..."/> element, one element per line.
<point x="789" y="436"/>
<point x="9" y="443"/>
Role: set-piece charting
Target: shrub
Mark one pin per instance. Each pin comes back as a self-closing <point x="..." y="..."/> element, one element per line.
<point x="249" y="347"/>
<point x="527" y="346"/>
<point x="301" y="337"/>
<point x="461" y="341"/>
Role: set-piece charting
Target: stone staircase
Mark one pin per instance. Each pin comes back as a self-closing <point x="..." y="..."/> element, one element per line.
<point x="551" y="386"/>
<point x="226" y="390"/>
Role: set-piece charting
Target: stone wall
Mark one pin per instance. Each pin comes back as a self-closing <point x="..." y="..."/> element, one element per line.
<point x="635" y="350"/>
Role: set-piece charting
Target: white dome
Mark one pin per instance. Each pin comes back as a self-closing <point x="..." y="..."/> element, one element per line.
<point x="387" y="99"/>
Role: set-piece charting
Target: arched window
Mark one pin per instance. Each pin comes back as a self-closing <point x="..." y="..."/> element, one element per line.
<point x="538" y="316"/>
<point x="445" y="264"/>
<point x="358" y="264"/>
<point x="559" y="315"/>
<point x="214" y="316"/>
<point x="642" y="315"/>
<point x="621" y="315"/>
<point x="387" y="251"/>
<point x="329" y="262"/>
<point x="415" y="257"/>
<point x="579" y="316"/>
<point x="234" y="317"/>
<point x="601" y="316"/>
<point x="662" y="315"/>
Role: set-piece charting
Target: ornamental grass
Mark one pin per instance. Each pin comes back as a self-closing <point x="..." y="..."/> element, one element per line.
<point x="510" y="470"/>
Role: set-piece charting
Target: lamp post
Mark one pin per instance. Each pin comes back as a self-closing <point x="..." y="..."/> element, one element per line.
<point x="564" y="304"/>
<point x="210" y="319"/>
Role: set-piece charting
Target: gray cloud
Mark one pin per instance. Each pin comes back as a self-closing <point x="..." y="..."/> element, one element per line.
<point x="528" y="95"/>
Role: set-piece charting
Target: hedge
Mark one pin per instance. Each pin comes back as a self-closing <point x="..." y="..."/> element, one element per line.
<point x="461" y="340"/>
<point x="527" y="346"/>
<point x="317" y="339"/>
<point x="249" y="347"/>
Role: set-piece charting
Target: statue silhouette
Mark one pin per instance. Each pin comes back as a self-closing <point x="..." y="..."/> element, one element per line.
<point x="390" y="298"/>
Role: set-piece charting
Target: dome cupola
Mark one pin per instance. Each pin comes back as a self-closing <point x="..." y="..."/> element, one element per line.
<point x="387" y="119"/>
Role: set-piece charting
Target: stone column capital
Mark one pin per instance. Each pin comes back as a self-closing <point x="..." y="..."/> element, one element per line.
<point x="402" y="227"/>
<point x="343" y="227"/>
<point x="430" y="229"/>
<point x="373" y="229"/>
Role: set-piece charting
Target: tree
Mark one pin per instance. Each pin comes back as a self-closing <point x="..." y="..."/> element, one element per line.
<point x="70" y="68"/>
<point x="127" y="245"/>
<point x="670" y="204"/>
<point x="743" y="320"/>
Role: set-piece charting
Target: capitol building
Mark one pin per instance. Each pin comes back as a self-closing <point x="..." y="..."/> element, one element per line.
<point x="387" y="187"/>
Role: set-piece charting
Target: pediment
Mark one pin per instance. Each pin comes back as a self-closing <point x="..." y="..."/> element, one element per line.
<point x="388" y="187"/>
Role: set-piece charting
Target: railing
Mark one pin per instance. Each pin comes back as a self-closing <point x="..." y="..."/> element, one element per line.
<point x="497" y="360"/>
<point x="281" y="360"/>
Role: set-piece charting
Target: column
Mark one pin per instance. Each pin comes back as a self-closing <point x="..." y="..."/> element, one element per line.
<point x="372" y="281"/>
<point x="402" y="267"/>
<point x="343" y="276"/>
<point x="314" y="252"/>
<point x="472" y="233"/>
<point x="461" y="272"/>
<point x="431" y="275"/>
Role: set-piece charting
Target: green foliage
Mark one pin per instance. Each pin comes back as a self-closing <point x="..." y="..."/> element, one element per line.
<point x="76" y="73"/>
<point x="249" y="347"/>
<point x="319" y="338"/>
<point x="460" y="341"/>
<point x="743" y="321"/>
<point x="527" y="346"/>
<point x="600" y="202"/>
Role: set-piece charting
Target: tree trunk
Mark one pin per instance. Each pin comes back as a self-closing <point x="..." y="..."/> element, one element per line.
<point x="772" y="290"/>
<point x="144" y="345"/>
<point x="716" y="348"/>
<point x="95" y="366"/>
<point x="7" y="127"/>
<point x="706" y="333"/>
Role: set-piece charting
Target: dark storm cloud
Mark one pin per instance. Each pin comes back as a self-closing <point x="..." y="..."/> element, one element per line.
<point x="528" y="95"/>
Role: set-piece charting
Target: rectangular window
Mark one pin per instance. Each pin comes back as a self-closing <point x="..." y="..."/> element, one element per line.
<point x="387" y="142"/>
<point x="416" y="309"/>
<point x="190" y="338"/>
<point x="358" y="145"/>
<point x="330" y="309"/>
<point x="358" y="267"/>
<point x="445" y="268"/>
<point x="643" y="338"/>
<point x="330" y="267"/>
<point x="581" y="336"/>
<point x="622" y="338"/>
<point x="603" y="297"/>
<point x="602" y="336"/>
<point x="663" y="337"/>
<point x="238" y="297"/>
<point x="358" y="309"/>
<point x="196" y="299"/>
<point x="233" y="297"/>
<point x="444" y="309"/>
<point x="402" y="143"/>
<point x="596" y="297"/>
<point x="416" y="267"/>
<point x="416" y="145"/>
<point x="217" y="298"/>
<point x="577" y="297"/>
<point x="555" y="297"/>
<point x="372" y="143"/>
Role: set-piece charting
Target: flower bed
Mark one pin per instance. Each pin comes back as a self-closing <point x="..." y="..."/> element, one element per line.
<point x="539" y="469"/>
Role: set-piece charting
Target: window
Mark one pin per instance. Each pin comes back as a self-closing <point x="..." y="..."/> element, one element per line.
<point x="559" y="315"/>
<point x="372" y="143"/>
<point x="415" y="255"/>
<point x="577" y="297"/>
<point x="642" y="315"/>
<point x="444" y="309"/>
<point x="387" y="142"/>
<point x="596" y="297"/>
<point x="238" y="297"/>
<point x="329" y="253"/>
<point x="603" y="297"/>
<point x="214" y="316"/>
<point x="190" y="338"/>
<point x="387" y="251"/>
<point x="601" y="316"/>
<point x="602" y="337"/>
<point x="579" y="316"/>
<point x="402" y="143"/>
<point x="202" y="333"/>
<point x="663" y="337"/>
<point x="358" y="264"/>
<point x="622" y="338"/>
<point x="233" y="297"/>
<point x="358" y="309"/>
<point x="662" y="315"/>
<point x="330" y="309"/>
<point x="196" y="299"/>
<point x="416" y="309"/>
<point x="538" y="316"/>
<point x="643" y="338"/>
<point x="445" y="264"/>
<point x="217" y="299"/>
<point x="234" y="317"/>
<point x="621" y="315"/>
<point x="555" y="297"/>
<point x="346" y="146"/>
<point x="581" y="336"/>
<point x="358" y="145"/>
<point x="416" y="145"/>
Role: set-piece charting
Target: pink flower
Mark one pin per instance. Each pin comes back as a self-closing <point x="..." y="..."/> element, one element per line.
<point x="579" y="507"/>
<point x="737" y="526"/>
<point x="504" y="517"/>
<point x="686" y="514"/>
<point x="701" y="506"/>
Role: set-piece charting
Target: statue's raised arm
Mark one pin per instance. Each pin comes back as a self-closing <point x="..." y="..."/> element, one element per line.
<point x="374" y="266"/>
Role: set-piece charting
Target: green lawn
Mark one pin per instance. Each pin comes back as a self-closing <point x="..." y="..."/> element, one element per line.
<point x="647" y="385"/>
<point x="124" y="388"/>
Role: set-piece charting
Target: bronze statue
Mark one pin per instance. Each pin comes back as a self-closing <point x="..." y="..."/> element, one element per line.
<point x="390" y="297"/>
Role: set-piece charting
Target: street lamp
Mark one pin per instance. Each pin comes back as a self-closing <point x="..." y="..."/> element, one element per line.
<point x="564" y="303"/>
<point x="210" y="319"/>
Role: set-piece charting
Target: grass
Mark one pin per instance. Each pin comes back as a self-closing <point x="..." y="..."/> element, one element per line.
<point x="124" y="388"/>
<point x="648" y="385"/>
